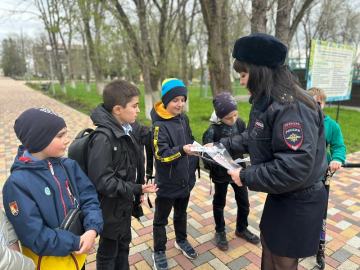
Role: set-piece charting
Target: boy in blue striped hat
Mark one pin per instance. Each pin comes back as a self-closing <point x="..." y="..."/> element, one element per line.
<point x="175" y="165"/>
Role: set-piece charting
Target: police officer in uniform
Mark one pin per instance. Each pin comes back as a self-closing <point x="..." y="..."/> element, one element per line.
<point x="286" y="142"/>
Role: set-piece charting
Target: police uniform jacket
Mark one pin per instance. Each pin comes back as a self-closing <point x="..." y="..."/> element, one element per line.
<point x="286" y="146"/>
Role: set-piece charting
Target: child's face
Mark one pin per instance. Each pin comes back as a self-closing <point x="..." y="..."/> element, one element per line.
<point x="230" y="119"/>
<point x="176" y="105"/>
<point x="130" y="112"/>
<point x="322" y="102"/>
<point x="57" y="146"/>
<point x="244" y="78"/>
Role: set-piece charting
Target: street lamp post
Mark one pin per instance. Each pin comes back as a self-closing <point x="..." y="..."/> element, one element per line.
<point x="27" y="68"/>
<point x="49" y="49"/>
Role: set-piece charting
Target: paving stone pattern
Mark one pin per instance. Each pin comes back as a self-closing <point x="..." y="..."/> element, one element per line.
<point x="343" y="227"/>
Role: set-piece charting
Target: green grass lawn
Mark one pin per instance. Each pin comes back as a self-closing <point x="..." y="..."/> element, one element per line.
<point x="201" y="109"/>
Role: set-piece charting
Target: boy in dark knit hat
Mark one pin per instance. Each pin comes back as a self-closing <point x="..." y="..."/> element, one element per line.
<point x="225" y="122"/>
<point x="43" y="187"/>
<point x="175" y="167"/>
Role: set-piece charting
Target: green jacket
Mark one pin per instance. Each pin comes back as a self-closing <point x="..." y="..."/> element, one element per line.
<point x="335" y="140"/>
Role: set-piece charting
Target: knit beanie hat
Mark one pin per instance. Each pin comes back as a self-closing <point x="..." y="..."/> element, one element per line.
<point x="260" y="49"/>
<point x="37" y="127"/>
<point x="172" y="88"/>
<point x="224" y="103"/>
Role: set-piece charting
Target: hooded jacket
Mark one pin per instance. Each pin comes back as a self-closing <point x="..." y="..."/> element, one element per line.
<point x="217" y="172"/>
<point x="335" y="139"/>
<point x="286" y="146"/>
<point x="11" y="259"/>
<point x="116" y="183"/>
<point x="175" y="170"/>
<point x="36" y="201"/>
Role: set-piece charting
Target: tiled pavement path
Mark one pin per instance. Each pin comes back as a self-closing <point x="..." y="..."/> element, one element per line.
<point x="344" y="207"/>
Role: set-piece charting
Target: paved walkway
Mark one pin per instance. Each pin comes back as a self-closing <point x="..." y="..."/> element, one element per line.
<point x="344" y="207"/>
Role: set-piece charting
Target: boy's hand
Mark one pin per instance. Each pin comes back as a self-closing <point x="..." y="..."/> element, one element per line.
<point x="209" y="145"/>
<point x="187" y="149"/>
<point x="235" y="176"/>
<point x="149" y="188"/>
<point x="141" y="200"/>
<point x="87" y="242"/>
<point x="335" y="165"/>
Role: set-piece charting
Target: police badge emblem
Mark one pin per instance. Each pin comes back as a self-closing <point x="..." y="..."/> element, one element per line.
<point x="293" y="134"/>
<point x="14" y="208"/>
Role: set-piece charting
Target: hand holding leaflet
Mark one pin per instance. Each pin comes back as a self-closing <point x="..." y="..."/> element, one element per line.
<point x="219" y="154"/>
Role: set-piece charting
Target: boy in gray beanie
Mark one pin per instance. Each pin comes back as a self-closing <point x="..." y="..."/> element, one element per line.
<point x="225" y="122"/>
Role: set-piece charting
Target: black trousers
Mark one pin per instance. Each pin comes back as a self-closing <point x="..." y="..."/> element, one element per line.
<point x="219" y="202"/>
<point x="163" y="207"/>
<point x="114" y="254"/>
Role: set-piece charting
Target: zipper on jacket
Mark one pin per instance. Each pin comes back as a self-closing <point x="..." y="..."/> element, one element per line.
<point x="75" y="261"/>
<point x="52" y="172"/>
<point x="170" y="171"/>
<point x="68" y="191"/>
<point x="39" y="263"/>
<point x="187" y="156"/>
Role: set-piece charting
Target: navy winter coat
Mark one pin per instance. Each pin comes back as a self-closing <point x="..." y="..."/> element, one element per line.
<point x="42" y="201"/>
<point x="175" y="170"/>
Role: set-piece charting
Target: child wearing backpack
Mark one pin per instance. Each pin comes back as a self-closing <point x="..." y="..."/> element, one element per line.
<point x="225" y="122"/>
<point x="10" y="256"/>
<point x="119" y="183"/>
<point x="175" y="166"/>
<point x="37" y="195"/>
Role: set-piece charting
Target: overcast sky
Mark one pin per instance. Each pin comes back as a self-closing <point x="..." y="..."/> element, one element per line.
<point x="24" y="19"/>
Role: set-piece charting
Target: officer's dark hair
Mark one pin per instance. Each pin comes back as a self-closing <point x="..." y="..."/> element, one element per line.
<point x="119" y="92"/>
<point x="275" y="82"/>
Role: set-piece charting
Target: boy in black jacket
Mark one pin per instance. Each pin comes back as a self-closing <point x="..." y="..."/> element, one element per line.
<point x="117" y="184"/>
<point x="225" y="120"/>
<point x="175" y="167"/>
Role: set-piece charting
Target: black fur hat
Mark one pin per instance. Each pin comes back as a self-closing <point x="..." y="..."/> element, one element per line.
<point x="260" y="49"/>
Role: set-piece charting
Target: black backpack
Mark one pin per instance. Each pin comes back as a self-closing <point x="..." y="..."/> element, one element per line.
<point x="217" y="135"/>
<point x="78" y="149"/>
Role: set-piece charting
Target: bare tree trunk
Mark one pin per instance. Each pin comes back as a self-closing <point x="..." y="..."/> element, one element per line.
<point x="154" y="78"/>
<point x="94" y="53"/>
<point x="146" y="67"/>
<point x="129" y="65"/>
<point x="282" y="27"/>
<point x="225" y="50"/>
<point x="185" y="40"/>
<point x="258" y="18"/>
<point x="70" y="68"/>
<point x="218" y="66"/>
<point x="86" y="60"/>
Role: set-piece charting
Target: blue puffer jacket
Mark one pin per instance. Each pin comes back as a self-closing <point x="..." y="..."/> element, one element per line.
<point x="36" y="202"/>
<point x="175" y="170"/>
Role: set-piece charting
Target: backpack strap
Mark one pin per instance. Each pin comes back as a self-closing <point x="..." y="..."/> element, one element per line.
<point x="186" y="118"/>
<point x="217" y="132"/>
<point x="241" y="126"/>
<point x="115" y="143"/>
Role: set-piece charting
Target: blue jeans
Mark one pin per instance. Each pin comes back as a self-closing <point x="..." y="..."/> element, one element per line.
<point x="114" y="254"/>
<point x="219" y="202"/>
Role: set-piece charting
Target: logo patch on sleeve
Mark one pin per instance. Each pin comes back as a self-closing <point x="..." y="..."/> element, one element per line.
<point x="14" y="208"/>
<point x="293" y="134"/>
<point x="259" y="124"/>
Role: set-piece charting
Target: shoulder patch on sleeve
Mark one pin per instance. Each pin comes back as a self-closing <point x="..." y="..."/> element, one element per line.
<point x="14" y="208"/>
<point x="293" y="134"/>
